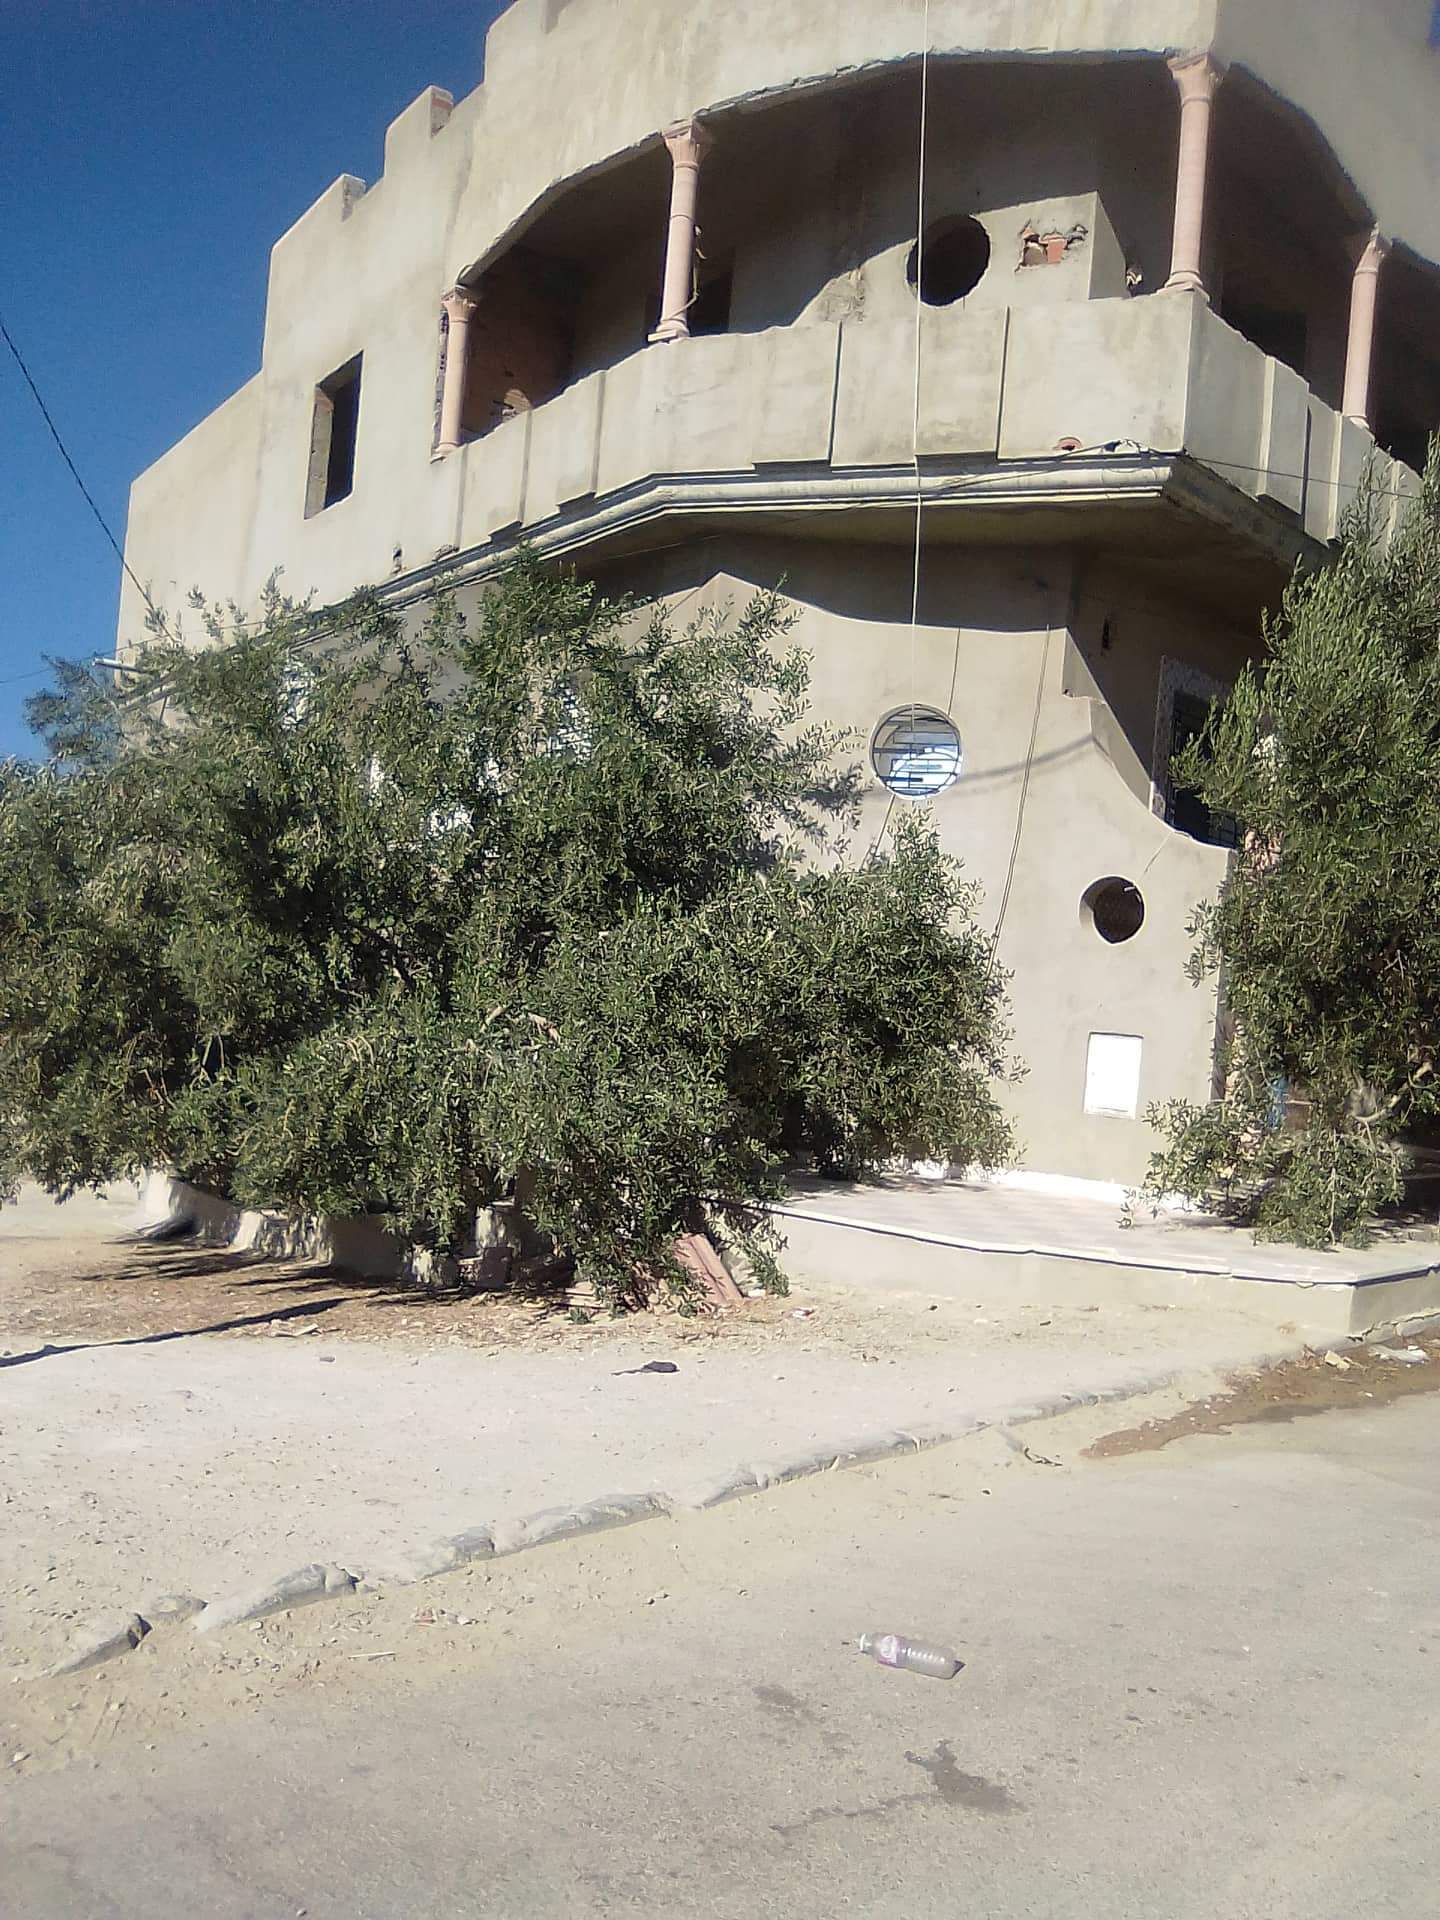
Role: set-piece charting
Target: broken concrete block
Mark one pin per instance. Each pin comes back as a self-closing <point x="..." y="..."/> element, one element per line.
<point x="103" y="1640"/>
<point x="475" y="1543"/>
<point x="298" y="1589"/>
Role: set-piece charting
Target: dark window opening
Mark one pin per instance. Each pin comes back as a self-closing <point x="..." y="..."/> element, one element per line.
<point x="1405" y="377"/>
<point x="1403" y="440"/>
<point x="522" y="339"/>
<point x="950" y="263"/>
<point x="1115" y="908"/>
<point x="1284" y="336"/>
<point x="1184" y="809"/>
<point x="710" y="309"/>
<point x="333" y="432"/>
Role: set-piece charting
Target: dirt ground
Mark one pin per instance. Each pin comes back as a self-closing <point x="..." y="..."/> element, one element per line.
<point x="61" y="1293"/>
<point x="176" y="1680"/>
<point x="1317" y="1382"/>
<point x="173" y="1417"/>
<point x="82" y="1304"/>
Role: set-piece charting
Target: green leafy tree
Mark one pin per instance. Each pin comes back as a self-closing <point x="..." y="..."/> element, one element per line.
<point x="1327" y="931"/>
<point x="540" y="908"/>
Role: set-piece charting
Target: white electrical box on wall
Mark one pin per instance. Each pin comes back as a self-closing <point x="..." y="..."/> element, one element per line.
<point x="1112" y="1074"/>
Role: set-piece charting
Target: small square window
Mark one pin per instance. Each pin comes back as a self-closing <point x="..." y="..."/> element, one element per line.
<point x="1112" y="1075"/>
<point x="333" y="429"/>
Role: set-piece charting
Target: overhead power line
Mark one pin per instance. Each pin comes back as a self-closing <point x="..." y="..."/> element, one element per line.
<point x="89" y="498"/>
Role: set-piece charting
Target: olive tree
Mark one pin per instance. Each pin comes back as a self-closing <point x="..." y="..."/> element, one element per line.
<point x="1327" y="931"/>
<point x="547" y="904"/>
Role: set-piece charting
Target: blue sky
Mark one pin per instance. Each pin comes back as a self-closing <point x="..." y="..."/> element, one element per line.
<point x="151" y="152"/>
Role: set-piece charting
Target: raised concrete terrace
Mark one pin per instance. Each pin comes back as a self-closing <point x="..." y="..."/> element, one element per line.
<point x="1003" y="1247"/>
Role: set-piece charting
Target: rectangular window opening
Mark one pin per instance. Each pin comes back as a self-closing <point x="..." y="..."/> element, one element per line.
<point x="1112" y="1075"/>
<point x="333" y="431"/>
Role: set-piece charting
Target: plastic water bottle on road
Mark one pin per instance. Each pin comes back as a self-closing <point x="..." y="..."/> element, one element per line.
<point x="894" y="1650"/>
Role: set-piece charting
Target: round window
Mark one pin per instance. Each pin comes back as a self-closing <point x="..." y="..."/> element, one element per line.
<point x="1115" y="908"/>
<point x="951" y="263"/>
<point x="916" y="752"/>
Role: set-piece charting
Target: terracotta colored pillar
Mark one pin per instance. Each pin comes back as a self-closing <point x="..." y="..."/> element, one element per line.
<point x="460" y="305"/>
<point x="1360" y="354"/>
<point x="687" y="143"/>
<point x="1197" y="78"/>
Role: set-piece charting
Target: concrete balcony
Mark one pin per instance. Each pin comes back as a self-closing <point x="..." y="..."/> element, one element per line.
<point x="1037" y="418"/>
<point x="1175" y="424"/>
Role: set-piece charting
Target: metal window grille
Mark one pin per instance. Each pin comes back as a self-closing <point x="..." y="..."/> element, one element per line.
<point x="917" y="752"/>
<point x="1184" y="809"/>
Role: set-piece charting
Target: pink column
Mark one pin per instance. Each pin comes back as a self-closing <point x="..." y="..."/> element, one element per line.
<point x="687" y="143"/>
<point x="1197" y="76"/>
<point x="459" y="304"/>
<point x="1360" y="354"/>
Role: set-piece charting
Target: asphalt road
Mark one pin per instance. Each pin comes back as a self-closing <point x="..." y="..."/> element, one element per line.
<point x="1199" y="1683"/>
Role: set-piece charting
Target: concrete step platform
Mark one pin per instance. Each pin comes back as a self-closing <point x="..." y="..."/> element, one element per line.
<point x="1000" y="1246"/>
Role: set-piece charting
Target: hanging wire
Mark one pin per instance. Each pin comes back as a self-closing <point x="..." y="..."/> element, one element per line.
<point x="919" y="341"/>
<point x="1025" y="776"/>
<point x="89" y="498"/>
<point x="918" y="552"/>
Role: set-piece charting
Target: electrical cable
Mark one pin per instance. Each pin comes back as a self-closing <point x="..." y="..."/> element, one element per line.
<point x="919" y="338"/>
<point x="1024" y="791"/>
<point x="89" y="498"/>
<point x="1131" y="449"/>
<point x="915" y="409"/>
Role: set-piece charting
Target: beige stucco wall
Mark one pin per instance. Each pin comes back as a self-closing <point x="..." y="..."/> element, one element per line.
<point x="992" y="638"/>
<point x="646" y="63"/>
<point x="1360" y="71"/>
<point x="821" y="225"/>
<point x="191" y="516"/>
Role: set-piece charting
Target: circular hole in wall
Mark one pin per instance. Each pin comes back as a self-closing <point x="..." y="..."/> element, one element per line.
<point x="916" y="752"/>
<point x="1115" y="908"/>
<point x="951" y="263"/>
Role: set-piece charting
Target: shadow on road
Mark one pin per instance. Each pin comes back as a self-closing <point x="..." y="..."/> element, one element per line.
<point x="305" y="1311"/>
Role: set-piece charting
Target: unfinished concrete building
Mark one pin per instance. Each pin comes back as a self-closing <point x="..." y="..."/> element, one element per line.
<point x="671" y="294"/>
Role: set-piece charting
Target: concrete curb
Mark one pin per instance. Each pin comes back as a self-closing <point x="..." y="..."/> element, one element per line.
<point x="298" y="1589"/>
<point x="170" y="1206"/>
<point x="522" y="1533"/>
<point x="102" y="1641"/>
